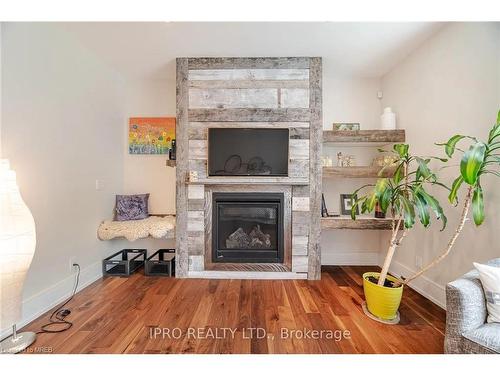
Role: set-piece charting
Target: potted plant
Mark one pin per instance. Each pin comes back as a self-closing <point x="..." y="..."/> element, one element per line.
<point x="481" y="159"/>
<point x="404" y="194"/>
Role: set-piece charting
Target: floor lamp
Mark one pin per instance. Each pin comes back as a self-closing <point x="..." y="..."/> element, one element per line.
<point x="17" y="246"/>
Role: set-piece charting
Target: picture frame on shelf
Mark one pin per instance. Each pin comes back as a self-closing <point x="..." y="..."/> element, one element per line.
<point x="324" y="211"/>
<point x="352" y="126"/>
<point x="346" y="201"/>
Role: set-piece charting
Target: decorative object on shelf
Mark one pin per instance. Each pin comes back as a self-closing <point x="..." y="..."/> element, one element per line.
<point x="131" y="207"/>
<point x="388" y="119"/>
<point x="324" y="211"/>
<point x="345" y="160"/>
<point x="172" y="153"/>
<point x="151" y="135"/>
<point x="352" y="126"/>
<point x="384" y="160"/>
<point x="379" y="214"/>
<point x="17" y="246"/>
<point x="326" y="161"/>
<point x="346" y="204"/>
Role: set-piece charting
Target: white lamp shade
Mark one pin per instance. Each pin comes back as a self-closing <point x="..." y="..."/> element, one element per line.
<point x="17" y="246"/>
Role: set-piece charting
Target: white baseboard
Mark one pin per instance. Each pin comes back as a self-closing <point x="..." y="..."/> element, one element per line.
<point x="45" y="300"/>
<point x="349" y="259"/>
<point x="422" y="285"/>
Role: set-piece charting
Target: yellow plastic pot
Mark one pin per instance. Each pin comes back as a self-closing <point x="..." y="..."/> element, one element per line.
<point x="382" y="301"/>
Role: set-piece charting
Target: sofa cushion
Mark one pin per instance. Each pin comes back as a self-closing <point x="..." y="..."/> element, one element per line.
<point x="131" y="207"/>
<point x="487" y="335"/>
<point x="490" y="279"/>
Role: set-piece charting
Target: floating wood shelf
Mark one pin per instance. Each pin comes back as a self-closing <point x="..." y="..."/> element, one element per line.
<point x="345" y="222"/>
<point x="378" y="136"/>
<point x="357" y="172"/>
<point x="171" y="163"/>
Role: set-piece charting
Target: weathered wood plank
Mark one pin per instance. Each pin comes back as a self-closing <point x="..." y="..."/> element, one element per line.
<point x="233" y="98"/>
<point x="199" y="167"/>
<point x="248" y="62"/>
<point x="181" y="264"/>
<point x="359" y="223"/>
<point x="300" y="223"/>
<point x="300" y="263"/>
<point x="381" y="136"/>
<point x="196" y="263"/>
<point x="300" y="191"/>
<point x="299" y="133"/>
<point x="297" y="126"/>
<point x="248" y="74"/>
<point x="198" y="133"/>
<point x="196" y="243"/>
<point x="298" y="168"/>
<point x="299" y="148"/>
<point x="255" y="180"/>
<point x="250" y="84"/>
<point x="358" y="172"/>
<point x="250" y="114"/>
<point x="198" y="149"/>
<point x="196" y="192"/>
<point x="300" y="203"/>
<point x="315" y="137"/>
<point x="299" y="245"/>
<point x="294" y="98"/>
<point x="196" y="204"/>
<point x="195" y="221"/>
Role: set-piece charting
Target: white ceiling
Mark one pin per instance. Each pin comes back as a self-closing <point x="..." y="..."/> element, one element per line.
<point x="148" y="50"/>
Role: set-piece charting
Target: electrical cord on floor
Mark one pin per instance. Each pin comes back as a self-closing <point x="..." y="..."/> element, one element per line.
<point x="58" y="316"/>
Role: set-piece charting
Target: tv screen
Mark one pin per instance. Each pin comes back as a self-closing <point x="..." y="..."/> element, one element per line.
<point x="247" y="152"/>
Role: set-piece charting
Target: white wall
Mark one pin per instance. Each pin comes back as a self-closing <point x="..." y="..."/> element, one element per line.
<point x="348" y="99"/>
<point x="148" y="173"/>
<point x="62" y="129"/>
<point x="450" y="85"/>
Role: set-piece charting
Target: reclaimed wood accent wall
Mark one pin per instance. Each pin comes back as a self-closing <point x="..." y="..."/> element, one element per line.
<point x="249" y="93"/>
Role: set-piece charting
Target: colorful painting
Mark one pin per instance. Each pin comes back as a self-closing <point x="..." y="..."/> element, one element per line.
<point x="150" y="135"/>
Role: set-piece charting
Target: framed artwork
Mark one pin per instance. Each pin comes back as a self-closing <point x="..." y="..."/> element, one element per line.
<point x="346" y="204"/>
<point x="150" y="135"/>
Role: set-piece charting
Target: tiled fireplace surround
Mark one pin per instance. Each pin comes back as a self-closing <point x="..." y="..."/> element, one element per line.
<point x="249" y="93"/>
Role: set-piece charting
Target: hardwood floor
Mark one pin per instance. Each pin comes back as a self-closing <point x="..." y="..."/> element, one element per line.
<point x="119" y="315"/>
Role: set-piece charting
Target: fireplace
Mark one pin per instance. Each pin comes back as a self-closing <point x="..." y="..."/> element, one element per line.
<point x="247" y="228"/>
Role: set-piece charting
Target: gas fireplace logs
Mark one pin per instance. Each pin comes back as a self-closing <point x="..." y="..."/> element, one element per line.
<point x="239" y="239"/>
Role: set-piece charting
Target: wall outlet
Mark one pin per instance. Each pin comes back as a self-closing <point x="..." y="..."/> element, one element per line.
<point x="98" y="185"/>
<point x="418" y="261"/>
<point x="72" y="260"/>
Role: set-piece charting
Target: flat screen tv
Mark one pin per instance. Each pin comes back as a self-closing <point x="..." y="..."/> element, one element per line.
<point x="247" y="152"/>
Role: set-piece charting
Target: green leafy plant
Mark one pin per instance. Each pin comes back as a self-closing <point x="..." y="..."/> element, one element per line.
<point x="479" y="160"/>
<point x="403" y="196"/>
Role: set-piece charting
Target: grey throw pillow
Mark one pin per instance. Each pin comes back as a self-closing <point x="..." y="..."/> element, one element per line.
<point x="131" y="207"/>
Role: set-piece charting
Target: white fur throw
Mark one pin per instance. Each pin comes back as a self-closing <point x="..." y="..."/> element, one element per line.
<point x="154" y="226"/>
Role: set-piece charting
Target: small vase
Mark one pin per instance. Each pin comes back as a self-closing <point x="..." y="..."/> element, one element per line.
<point x="388" y="119"/>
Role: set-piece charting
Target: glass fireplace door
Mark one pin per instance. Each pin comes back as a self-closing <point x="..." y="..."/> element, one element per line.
<point x="247" y="228"/>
